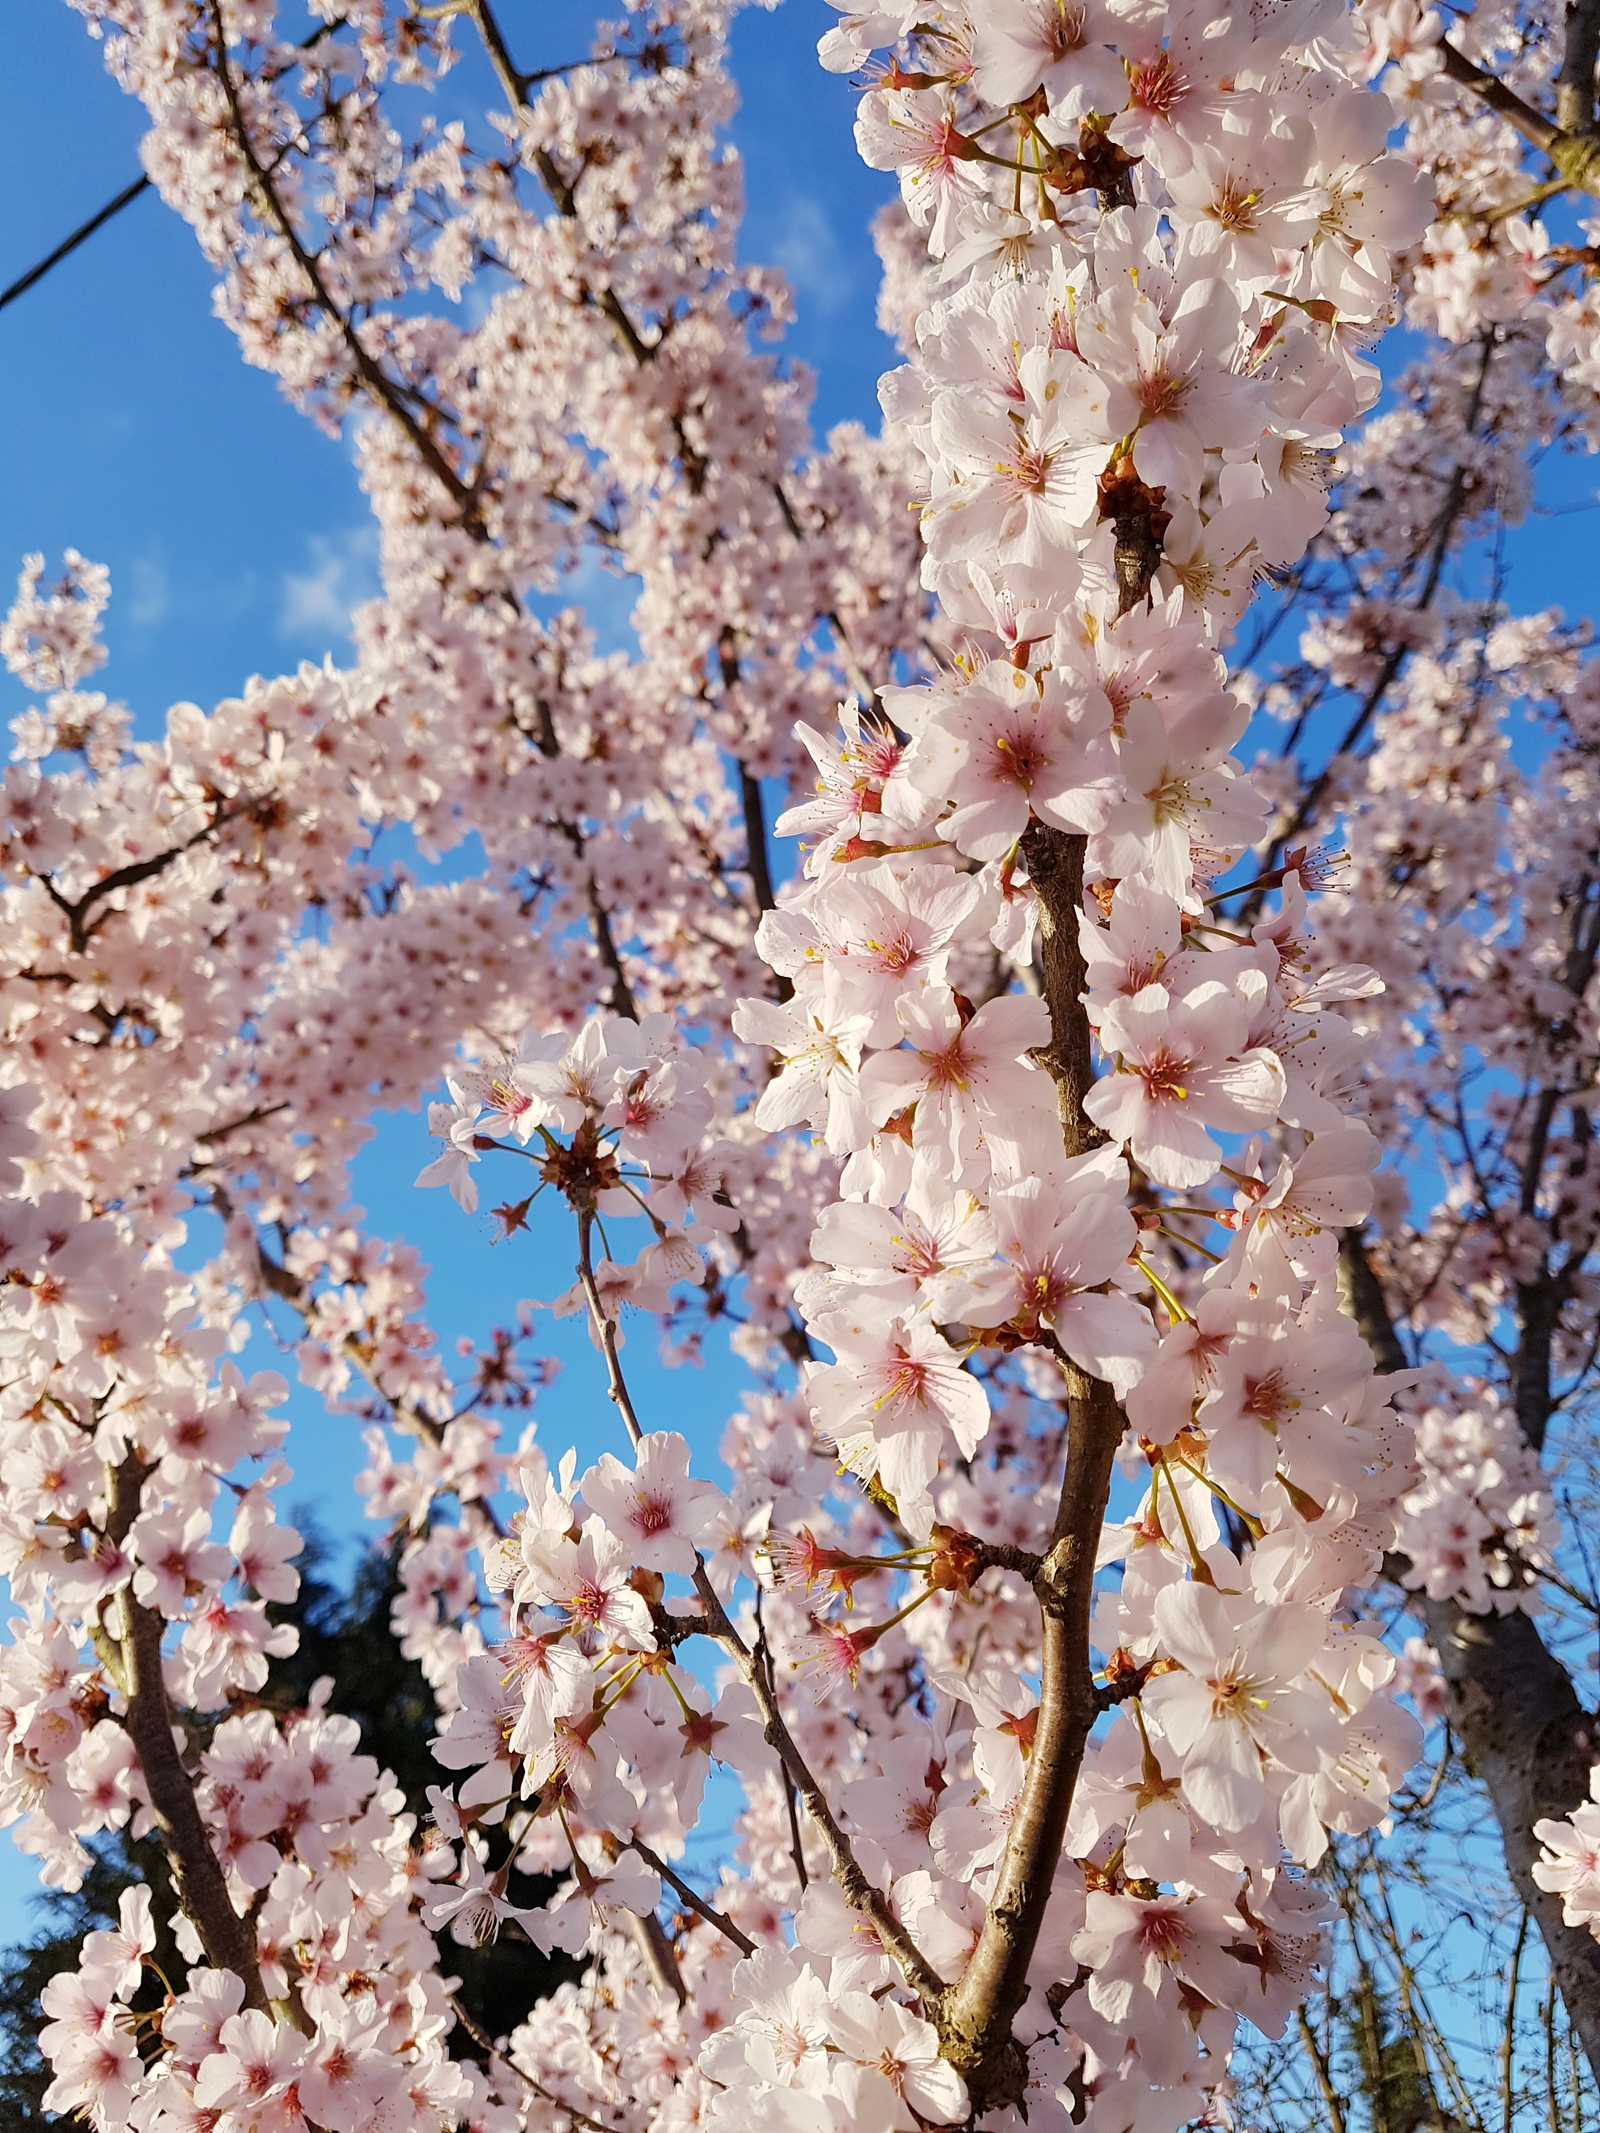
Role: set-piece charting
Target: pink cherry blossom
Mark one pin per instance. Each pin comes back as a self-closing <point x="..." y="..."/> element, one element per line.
<point x="657" y="1509"/>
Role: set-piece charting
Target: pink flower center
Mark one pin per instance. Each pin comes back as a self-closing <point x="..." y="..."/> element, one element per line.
<point x="1161" y="1932"/>
<point x="1029" y="470"/>
<point x="653" y="1515"/>
<point x="506" y="1098"/>
<point x="1267" y="1399"/>
<point x="1065" y="32"/>
<point x="1018" y="758"/>
<point x="1164" y="1075"/>
<point x="1157" y="86"/>
<point x="1160" y="393"/>
<point x="905" y="1382"/>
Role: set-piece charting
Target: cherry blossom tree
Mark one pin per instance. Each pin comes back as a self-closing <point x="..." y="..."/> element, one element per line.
<point x="1468" y="851"/>
<point x="1023" y="1120"/>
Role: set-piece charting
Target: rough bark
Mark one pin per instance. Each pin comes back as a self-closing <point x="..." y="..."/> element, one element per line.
<point x="1055" y="867"/>
<point x="1512" y="1706"/>
<point x="197" y="1877"/>
<point x="1575" y="82"/>
<point x="1530" y="1744"/>
<point x="976" y="2015"/>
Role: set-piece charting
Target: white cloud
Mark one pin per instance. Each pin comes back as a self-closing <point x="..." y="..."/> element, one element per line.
<point x="319" y="604"/>
<point x="805" y="246"/>
<point x="150" y="596"/>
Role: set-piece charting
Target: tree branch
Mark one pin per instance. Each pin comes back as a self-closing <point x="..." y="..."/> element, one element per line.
<point x="605" y="1328"/>
<point x="1575" y="156"/>
<point x="755" y="837"/>
<point x="853" y="1884"/>
<point x="382" y="388"/>
<point x="976" y="2015"/>
<point x="76" y="911"/>
<point x="658" y="1956"/>
<point x="516" y="85"/>
<point x="1448" y="518"/>
<point x="68" y="245"/>
<point x="713" y="1917"/>
<point x="486" y="2044"/>
<point x="197" y="1877"/>
<point x="1055" y="868"/>
<point x="857" y="1890"/>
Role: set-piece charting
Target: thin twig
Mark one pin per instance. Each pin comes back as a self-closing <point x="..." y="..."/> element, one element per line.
<point x="763" y="1659"/>
<point x="854" y="1886"/>
<point x="605" y="1329"/>
<point x="712" y="1916"/>
<point x="486" y="2043"/>
<point x="1508" y="2040"/>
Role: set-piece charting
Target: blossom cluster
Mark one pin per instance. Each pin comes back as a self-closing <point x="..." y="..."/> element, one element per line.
<point x="622" y="1113"/>
<point x="1490" y="261"/>
<point x="1141" y="252"/>
<point x="1569" y="1861"/>
<point x="214" y="990"/>
<point x="1479" y="1527"/>
<point x="1106" y="389"/>
<point x="119" y="1438"/>
<point x="314" y="1840"/>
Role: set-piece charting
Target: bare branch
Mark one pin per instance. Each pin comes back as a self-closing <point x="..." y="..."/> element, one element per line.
<point x="68" y="245"/>
<point x="1319" y="2059"/>
<point x="712" y="1916"/>
<point x="1055" y="867"/>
